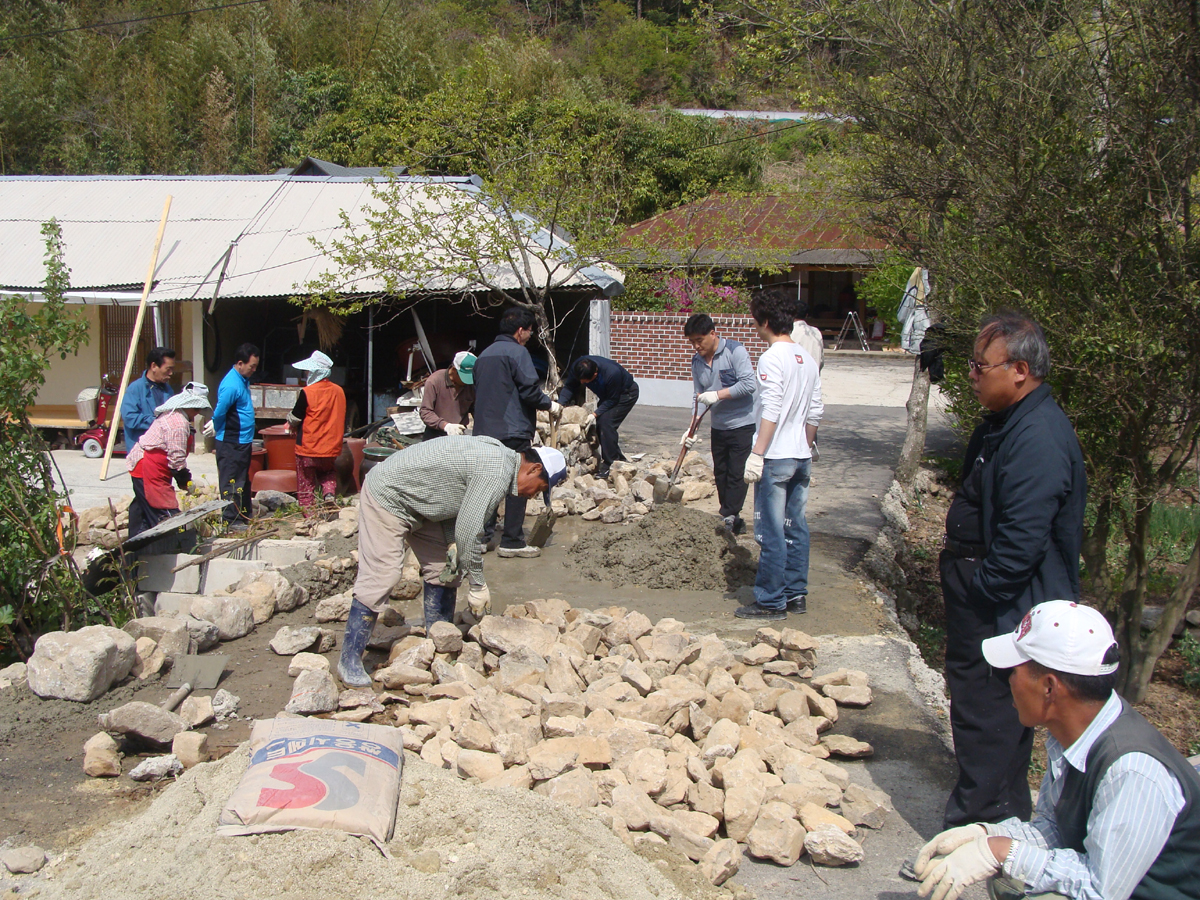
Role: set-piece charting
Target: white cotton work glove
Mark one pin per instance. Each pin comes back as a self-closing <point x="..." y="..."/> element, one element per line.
<point x="946" y="843"/>
<point x="210" y="430"/>
<point x="754" y="467"/>
<point x="951" y="875"/>
<point x="455" y="430"/>
<point x="688" y="440"/>
<point x="479" y="599"/>
<point x="555" y="409"/>
<point x="708" y="398"/>
<point x="591" y="417"/>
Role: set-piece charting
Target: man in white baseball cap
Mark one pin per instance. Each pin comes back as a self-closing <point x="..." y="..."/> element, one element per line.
<point x="1118" y="813"/>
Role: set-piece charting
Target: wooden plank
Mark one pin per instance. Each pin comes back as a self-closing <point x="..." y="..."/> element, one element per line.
<point x="115" y="421"/>
<point x="55" y="416"/>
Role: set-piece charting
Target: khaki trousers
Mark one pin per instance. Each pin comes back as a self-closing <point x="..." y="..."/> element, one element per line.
<point x="382" y="541"/>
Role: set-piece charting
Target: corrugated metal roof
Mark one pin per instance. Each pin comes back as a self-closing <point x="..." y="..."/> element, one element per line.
<point x="109" y="224"/>
<point x="755" y="230"/>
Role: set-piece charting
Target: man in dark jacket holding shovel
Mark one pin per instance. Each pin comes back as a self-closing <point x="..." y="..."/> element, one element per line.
<point x="1013" y="535"/>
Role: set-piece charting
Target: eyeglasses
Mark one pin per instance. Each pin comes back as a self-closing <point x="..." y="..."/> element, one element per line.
<point x="976" y="366"/>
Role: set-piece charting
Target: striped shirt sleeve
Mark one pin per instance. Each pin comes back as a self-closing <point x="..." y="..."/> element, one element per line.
<point x="1136" y="804"/>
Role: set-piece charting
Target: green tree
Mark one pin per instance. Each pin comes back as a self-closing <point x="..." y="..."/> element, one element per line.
<point x="40" y="589"/>
<point x="1043" y="156"/>
<point x="546" y="211"/>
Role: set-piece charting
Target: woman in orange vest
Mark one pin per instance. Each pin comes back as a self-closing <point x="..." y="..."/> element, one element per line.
<point x="319" y="420"/>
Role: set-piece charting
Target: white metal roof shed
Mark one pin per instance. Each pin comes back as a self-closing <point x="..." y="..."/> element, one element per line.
<point x="262" y="222"/>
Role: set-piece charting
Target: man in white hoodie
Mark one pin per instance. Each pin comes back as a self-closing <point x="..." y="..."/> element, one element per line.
<point x="790" y="408"/>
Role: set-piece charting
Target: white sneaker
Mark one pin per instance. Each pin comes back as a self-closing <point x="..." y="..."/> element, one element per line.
<point x="526" y="552"/>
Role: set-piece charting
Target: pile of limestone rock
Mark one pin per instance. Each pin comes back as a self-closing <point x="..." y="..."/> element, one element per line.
<point x="628" y="493"/>
<point x="701" y="743"/>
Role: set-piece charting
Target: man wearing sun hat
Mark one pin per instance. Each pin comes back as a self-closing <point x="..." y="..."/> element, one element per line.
<point x="1118" y="813"/>
<point x="447" y="398"/>
<point x="434" y="497"/>
<point x="319" y="420"/>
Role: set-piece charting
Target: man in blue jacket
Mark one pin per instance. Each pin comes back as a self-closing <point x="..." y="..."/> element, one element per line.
<point x="146" y="394"/>
<point x="723" y="378"/>
<point x="233" y="427"/>
<point x="1013" y="536"/>
<point x="508" y="395"/>
<point x="616" y="393"/>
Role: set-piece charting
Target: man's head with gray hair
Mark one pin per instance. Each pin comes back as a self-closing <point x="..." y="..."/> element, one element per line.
<point x="1023" y="338"/>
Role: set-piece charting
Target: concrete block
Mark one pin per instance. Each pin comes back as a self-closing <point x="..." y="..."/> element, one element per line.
<point x="281" y="554"/>
<point x="154" y="574"/>
<point x="224" y="573"/>
<point x="247" y="551"/>
<point x="173" y="603"/>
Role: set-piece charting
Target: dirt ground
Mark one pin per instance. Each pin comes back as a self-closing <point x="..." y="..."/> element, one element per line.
<point x="673" y="547"/>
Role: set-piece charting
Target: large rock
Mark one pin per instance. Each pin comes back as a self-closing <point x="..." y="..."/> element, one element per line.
<point x="156" y="768"/>
<point x="550" y="759"/>
<point x="302" y="661"/>
<point x="776" y="835"/>
<point x="742" y="804"/>
<point x="101" y="758"/>
<point x="503" y="634"/>
<point x="203" y="634"/>
<point x="335" y="608"/>
<point x="830" y="846"/>
<point x="144" y="720"/>
<point x="23" y="860"/>
<point x="170" y="634"/>
<point x="721" y="862"/>
<point x="814" y="818"/>
<point x="80" y="665"/>
<point x="844" y="745"/>
<point x="574" y="787"/>
<point x="313" y="692"/>
<point x="13" y="674"/>
<point x="289" y="640"/>
<point x="197" y="711"/>
<point x="190" y="748"/>
<point x="856" y="696"/>
<point x="233" y="616"/>
<point x="446" y="637"/>
<point x="479" y="764"/>
<point x="864" y="806"/>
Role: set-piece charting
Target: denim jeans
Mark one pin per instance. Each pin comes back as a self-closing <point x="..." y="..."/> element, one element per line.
<point x="781" y="532"/>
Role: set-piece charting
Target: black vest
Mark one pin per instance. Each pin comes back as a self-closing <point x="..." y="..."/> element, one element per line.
<point x="1174" y="875"/>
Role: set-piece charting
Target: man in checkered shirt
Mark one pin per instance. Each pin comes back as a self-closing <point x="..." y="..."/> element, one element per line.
<point x="434" y="497"/>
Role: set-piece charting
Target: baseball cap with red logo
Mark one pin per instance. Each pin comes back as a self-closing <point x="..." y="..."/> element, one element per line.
<point x="1058" y="634"/>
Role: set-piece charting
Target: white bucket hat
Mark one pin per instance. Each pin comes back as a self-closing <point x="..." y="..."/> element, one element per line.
<point x="317" y="361"/>
<point x="193" y="396"/>
<point x="1058" y="634"/>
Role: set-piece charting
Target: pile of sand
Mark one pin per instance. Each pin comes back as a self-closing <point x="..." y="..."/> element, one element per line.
<point x="452" y="840"/>
<point x="674" y="548"/>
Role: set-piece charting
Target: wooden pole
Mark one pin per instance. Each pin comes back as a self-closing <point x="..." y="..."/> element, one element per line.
<point x="133" y="341"/>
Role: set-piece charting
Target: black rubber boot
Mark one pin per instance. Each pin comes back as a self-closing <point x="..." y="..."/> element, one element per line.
<point x="359" y="625"/>
<point x="439" y="604"/>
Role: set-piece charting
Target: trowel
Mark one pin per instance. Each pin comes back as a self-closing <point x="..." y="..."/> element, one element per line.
<point x="542" y="528"/>
<point x="203" y="673"/>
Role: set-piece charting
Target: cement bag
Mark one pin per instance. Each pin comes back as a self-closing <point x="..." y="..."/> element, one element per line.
<point x="316" y="773"/>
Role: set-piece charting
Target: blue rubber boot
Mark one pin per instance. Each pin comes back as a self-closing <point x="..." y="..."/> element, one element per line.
<point x="359" y="625"/>
<point x="439" y="604"/>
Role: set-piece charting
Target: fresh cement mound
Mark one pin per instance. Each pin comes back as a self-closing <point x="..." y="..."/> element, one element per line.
<point x="673" y="548"/>
<point x="452" y="840"/>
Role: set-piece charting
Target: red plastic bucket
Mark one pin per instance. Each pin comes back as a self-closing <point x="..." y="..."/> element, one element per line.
<point x="280" y="444"/>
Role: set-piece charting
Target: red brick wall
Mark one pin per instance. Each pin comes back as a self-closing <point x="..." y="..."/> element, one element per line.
<point x="652" y="345"/>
